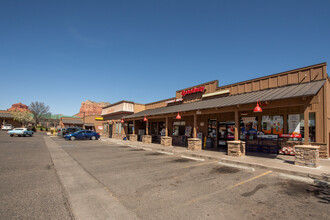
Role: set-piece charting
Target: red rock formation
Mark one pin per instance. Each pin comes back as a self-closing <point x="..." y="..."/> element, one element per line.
<point x="19" y="107"/>
<point x="91" y="108"/>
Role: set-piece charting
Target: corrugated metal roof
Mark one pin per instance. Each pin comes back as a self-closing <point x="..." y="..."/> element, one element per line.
<point x="291" y="91"/>
<point x="6" y="115"/>
<point x="72" y="121"/>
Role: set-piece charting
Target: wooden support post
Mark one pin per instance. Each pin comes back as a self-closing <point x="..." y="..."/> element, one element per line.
<point x="285" y="123"/>
<point x="134" y="127"/>
<point x="166" y="126"/>
<point x="147" y="127"/>
<point x="195" y="126"/>
<point x="306" y="124"/>
<point x="236" y="125"/>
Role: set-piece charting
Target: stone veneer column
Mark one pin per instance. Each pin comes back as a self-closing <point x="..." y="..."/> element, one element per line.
<point x="236" y="148"/>
<point x="194" y="144"/>
<point x="307" y="155"/>
<point x="166" y="141"/>
<point x="133" y="137"/>
<point x="146" y="139"/>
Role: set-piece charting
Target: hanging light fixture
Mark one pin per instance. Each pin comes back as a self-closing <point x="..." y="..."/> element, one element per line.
<point x="122" y="120"/>
<point x="178" y="116"/>
<point x="257" y="108"/>
<point x="145" y="118"/>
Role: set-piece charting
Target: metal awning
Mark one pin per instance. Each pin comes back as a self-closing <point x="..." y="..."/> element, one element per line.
<point x="89" y="124"/>
<point x="291" y="91"/>
<point x="72" y="122"/>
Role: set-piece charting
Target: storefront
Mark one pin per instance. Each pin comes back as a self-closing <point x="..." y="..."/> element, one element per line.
<point x="267" y="113"/>
<point x="114" y="125"/>
<point x="71" y="122"/>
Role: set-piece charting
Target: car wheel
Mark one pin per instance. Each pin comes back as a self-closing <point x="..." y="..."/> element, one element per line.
<point x="11" y="135"/>
<point x="72" y="138"/>
<point x="93" y="138"/>
<point x="30" y="135"/>
<point x="23" y="135"/>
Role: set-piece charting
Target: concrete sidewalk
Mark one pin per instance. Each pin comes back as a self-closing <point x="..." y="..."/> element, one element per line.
<point x="277" y="163"/>
<point x="89" y="198"/>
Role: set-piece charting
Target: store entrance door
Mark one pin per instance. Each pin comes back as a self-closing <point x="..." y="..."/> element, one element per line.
<point x="225" y="133"/>
<point x="110" y="131"/>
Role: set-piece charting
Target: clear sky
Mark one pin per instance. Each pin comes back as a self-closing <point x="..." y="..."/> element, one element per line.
<point x="65" y="52"/>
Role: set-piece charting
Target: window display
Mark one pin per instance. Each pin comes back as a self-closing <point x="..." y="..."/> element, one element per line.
<point x="249" y="126"/>
<point x="161" y="128"/>
<point x="179" y="128"/>
<point x="272" y="124"/>
<point x="311" y="124"/>
<point x="212" y="128"/>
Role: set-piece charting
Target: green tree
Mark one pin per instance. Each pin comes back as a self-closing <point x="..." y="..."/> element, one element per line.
<point x="39" y="110"/>
<point x="24" y="117"/>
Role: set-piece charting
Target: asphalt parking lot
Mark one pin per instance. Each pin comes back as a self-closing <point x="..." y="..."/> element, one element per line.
<point x="160" y="186"/>
<point x="29" y="185"/>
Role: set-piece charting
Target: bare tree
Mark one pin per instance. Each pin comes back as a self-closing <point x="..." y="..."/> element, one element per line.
<point x="39" y="110"/>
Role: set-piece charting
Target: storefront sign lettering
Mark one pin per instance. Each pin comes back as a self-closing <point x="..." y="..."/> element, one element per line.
<point x="194" y="90"/>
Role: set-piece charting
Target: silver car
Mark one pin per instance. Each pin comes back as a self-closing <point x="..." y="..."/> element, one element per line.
<point x="7" y="127"/>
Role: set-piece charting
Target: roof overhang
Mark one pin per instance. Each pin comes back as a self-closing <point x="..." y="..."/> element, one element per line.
<point x="285" y="92"/>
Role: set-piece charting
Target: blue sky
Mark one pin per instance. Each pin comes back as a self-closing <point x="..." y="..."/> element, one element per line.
<point x="65" y="52"/>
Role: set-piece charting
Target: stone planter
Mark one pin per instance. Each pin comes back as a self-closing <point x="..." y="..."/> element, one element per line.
<point x="146" y="139"/>
<point x="236" y="148"/>
<point x="307" y="155"/>
<point x="166" y="141"/>
<point x="194" y="144"/>
<point x="133" y="137"/>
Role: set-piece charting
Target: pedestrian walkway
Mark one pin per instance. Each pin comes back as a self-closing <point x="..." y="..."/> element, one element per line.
<point x="278" y="163"/>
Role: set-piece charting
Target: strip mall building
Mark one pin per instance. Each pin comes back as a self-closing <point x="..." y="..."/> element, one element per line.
<point x="293" y="109"/>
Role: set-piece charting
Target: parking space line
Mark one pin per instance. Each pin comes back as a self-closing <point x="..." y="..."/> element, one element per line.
<point x="164" y="152"/>
<point x="148" y="149"/>
<point x="253" y="178"/>
<point x="228" y="188"/>
<point x="196" y="165"/>
<point x="193" y="158"/>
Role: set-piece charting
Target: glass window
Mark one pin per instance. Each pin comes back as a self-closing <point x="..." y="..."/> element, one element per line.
<point x="161" y="128"/>
<point x="130" y="128"/>
<point x="311" y="125"/>
<point x="272" y="124"/>
<point x="249" y="127"/>
<point x="212" y="128"/>
<point x="179" y="130"/>
<point x="296" y="127"/>
<point x="154" y="128"/>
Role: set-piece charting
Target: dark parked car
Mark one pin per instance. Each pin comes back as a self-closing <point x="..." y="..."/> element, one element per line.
<point x="83" y="135"/>
<point x="70" y="130"/>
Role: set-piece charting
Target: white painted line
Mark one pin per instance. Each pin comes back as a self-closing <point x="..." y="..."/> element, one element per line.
<point x="144" y="148"/>
<point x="237" y="166"/>
<point x="193" y="158"/>
<point x="164" y="152"/>
<point x="132" y="146"/>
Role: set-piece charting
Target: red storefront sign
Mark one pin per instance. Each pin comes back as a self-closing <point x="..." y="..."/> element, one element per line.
<point x="290" y="135"/>
<point x="194" y="90"/>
